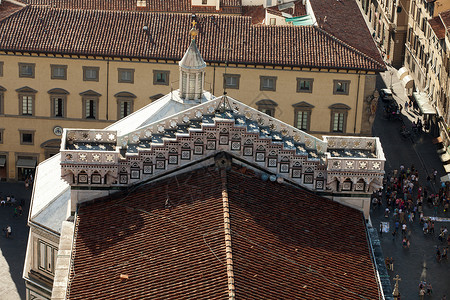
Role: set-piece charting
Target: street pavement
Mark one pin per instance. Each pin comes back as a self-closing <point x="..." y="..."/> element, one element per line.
<point x="12" y="250"/>
<point x="419" y="262"/>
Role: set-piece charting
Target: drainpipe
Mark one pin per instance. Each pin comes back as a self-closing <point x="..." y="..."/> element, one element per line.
<point x="357" y="100"/>
<point x="107" y="89"/>
<point x="214" y="80"/>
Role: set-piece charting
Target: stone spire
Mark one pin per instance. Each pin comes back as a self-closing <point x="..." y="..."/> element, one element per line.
<point x="192" y="70"/>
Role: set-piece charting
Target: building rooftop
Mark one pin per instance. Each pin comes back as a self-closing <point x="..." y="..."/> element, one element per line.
<point x="8" y="8"/>
<point x="176" y="6"/>
<point x="438" y="27"/>
<point x="87" y="32"/>
<point x="445" y="18"/>
<point x="206" y="233"/>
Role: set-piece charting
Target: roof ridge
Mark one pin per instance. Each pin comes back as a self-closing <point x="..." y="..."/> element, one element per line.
<point x="347" y="45"/>
<point x="227" y="232"/>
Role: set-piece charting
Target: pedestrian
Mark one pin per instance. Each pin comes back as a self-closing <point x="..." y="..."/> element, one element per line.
<point x="444" y="253"/>
<point x="438" y="254"/>
<point x="391" y="264"/>
<point x="404" y="229"/>
<point x="435" y="174"/>
<point x="421" y="294"/>
<point x="381" y="229"/>
<point x="8" y="231"/>
<point x="429" y="289"/>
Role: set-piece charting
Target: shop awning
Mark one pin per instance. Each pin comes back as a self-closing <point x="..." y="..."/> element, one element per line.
<point x="301" y="21"/>
<point x="408" y="82"/>
<point x="402" y="73"/>
<point x="26" y="163"/>
<point x="424" y="104"/>
<point x="2" y="161"/>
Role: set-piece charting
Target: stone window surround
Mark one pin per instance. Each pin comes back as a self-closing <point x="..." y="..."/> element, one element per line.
<point x="54" y="94"/>
<point x="124" y="97"/>
<point x="335" y="85"/>
<point x="26" y="91"/>
<point x="22" y="75"/>
<point x="53" y="256"/>
<point x="26" y="131"/>
<point x="261" y="84"/>
<point x="311" y="82"/>
<point x="120" y="71"/>
<point x="2" y="135"/>
<point x="88" y="68"/>
<point x="53" y="76"/>
<point x="90" y="95"/>
<point x="155" y="74"/>
<point x="1" y="69"/>
<point x="303" y="107"/>
<point x="339" y="108"/>
<point x="267" y="104"/>
<point x="2" y="104"/>
<point x="229" y="86"/>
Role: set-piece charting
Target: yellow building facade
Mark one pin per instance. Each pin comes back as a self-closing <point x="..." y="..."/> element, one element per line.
<point x="89" y="77"/>
<point x="109" y="93"/>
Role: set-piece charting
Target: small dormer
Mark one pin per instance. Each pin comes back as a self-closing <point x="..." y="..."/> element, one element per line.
<point x="215" y="3"/>
<point x="192" y="70"/>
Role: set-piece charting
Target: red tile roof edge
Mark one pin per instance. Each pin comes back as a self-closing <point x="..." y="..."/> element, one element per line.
<point x="271" y="32"/>
<point x="438" y="27"/>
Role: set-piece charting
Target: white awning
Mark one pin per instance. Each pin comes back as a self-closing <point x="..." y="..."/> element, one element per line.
<point x="408" y="82"/>
<point x="2" y="161"/>
<point x="26" y="163"/>
<point x="402" y="72"/>
<point x="424" y="104"/>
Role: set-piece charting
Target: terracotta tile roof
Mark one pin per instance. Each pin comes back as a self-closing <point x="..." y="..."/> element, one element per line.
<point x="445" y="18"/>
<point x="297" y="10"/>
<point x="175" y="6"/>
<point x="344" y="20"/>
<point x="121" y="34"/>
<point x="438" y="27"/>
<point x="7" y="9"/>
<point x="257" y="13"/>
<point x="286" y="243"/>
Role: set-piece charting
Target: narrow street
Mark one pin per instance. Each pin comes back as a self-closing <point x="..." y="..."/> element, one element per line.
<point x="418" y="263"/>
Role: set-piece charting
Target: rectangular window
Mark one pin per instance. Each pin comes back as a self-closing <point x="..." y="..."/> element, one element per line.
<point x="268" y="83"/>
<point x="231" y="81"/>
<point x="204" y="2"/>
<point x="26" y="70"/>
<point x="1" y="69"/>
<point x="90" y="108"/>
<point x="1" y="103"/>
<point x="161" y="77"/>
<point x="125" y="108"/>
<point x="47" y="257"/>
<point x="341" y="87"/>
<point x="304" y="85"/>
<point x="1" y="135"/>
<point x="26" y="137"/>
<point x="338" y="122"/>
<point x="58" y="107"/>
<point x="90" y="73"/>
<point x="27" y="105"/>
<point x="302" y="120"/>
<point x="273" y="21"/>
<point x="126" y="75"/>
<point x="58" y="72"/>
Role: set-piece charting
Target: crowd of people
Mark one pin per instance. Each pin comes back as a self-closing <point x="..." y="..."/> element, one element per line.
<point x="403" y="200"/>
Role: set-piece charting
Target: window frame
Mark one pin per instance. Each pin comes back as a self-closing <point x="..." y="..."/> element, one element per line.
<point x="306" y="108"/>
<point x="311" y="82"/>
<point x="335" y="85"/>
<point x="1" y="68"/>
<point x="85" y="102"/>
<point x="40" y="258"/>
<point x="261" y="83"/>
<point x="2" y="100"/>
<point x="227" y="86"/>
<point x="121" y="71"/>
<point x="2" y="135"/>
<point x="155" y="74"/>
<point x="339" y="108"/>
<point x="53" y="97"/>
<point x="26" y="131"/>
<point x="90" y="68"/>
<point x="33" y="69"/>
<point x="124" y="97"/>
<point x="267" y="104"/>
<point x="52" y="70"/>
<point x="33" y="99"/>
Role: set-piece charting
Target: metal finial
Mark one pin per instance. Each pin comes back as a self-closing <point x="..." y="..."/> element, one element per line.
<point x="193" y="32"/>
